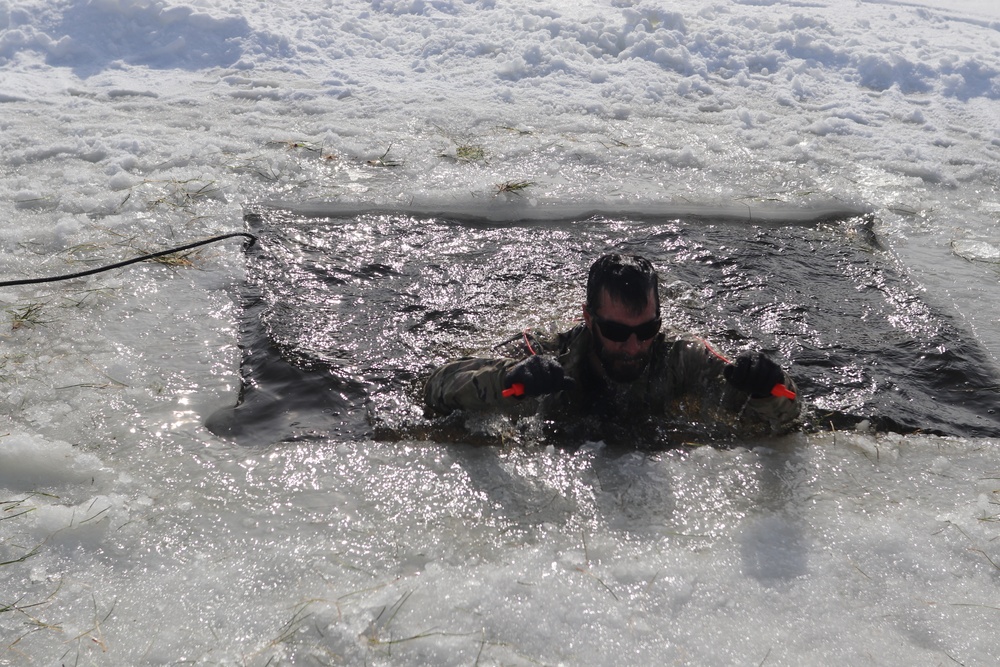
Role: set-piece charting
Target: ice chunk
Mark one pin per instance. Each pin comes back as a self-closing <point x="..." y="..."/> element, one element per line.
<point x="976" y="251"/>
<point x="31" y="462"/>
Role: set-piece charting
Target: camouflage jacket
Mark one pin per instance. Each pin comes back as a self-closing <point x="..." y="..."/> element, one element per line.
<point x="681" y="390"/>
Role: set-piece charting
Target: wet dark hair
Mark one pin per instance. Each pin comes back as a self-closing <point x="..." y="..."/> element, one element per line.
<point x="627" y="278"/>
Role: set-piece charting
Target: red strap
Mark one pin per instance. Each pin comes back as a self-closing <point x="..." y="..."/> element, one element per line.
<point x="714" y="352"/>
<point x="527" y="340"/>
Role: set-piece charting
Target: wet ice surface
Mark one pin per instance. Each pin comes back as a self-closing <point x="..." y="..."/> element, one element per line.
<point x="130" y="534"/>
<point x="417" y="553"/>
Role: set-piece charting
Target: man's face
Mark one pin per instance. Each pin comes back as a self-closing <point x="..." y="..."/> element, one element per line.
<point x="622" y="360"/>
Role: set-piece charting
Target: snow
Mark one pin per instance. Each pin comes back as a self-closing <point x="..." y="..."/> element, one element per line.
<point x="131" y="535"/>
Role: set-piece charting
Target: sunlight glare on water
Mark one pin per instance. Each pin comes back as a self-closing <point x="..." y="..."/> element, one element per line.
<point x="361" y="317"/>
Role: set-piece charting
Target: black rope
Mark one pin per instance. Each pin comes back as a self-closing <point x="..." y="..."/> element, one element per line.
<point x="251" y="239"/>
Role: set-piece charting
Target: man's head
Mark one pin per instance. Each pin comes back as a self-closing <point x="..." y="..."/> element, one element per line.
<point x="623" y="314"/>
<point x="627" y="278"/>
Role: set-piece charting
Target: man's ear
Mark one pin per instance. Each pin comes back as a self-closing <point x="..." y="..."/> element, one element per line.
<point x="586" y="316"/>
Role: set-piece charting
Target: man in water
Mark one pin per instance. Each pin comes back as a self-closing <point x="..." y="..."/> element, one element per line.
<point x="619" y="366"/>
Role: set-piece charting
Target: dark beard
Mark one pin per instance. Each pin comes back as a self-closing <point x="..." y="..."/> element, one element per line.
<point x="620" y="367"/>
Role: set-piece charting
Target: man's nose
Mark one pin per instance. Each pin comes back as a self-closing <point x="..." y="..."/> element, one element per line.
<point x="632" y="345"/>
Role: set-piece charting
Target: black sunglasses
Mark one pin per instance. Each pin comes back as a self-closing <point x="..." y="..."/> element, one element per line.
<point x="619" y="333"/>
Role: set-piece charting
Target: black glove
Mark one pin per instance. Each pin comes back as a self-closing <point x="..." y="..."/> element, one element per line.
<point x="539" y="375"/>
<point x="754" y="374"/>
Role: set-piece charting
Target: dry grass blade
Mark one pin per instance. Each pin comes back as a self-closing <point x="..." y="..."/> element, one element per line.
<point x="299" y="616"/>
<point x="384" y="160"/>
<point x="14" y="516"/>
<point x="987" y="556"/>
<point x="470" y="153"/>
<point x="182" y="194"/>
<point x="23" y="558"/>
<point x="512" y="187"/>
<point x="379" y="626"/>
<point x="175" y="260"/>
<point x="292" y="144"/>
<point x="27" y="315"/>
<point x="16" y="606"/>
<point x="96" y="633"/>
<point x="599" y="580"/>
<point x="515" y="130"/>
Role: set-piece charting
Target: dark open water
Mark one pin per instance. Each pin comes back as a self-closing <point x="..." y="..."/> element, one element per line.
<point x="344" y="315"/>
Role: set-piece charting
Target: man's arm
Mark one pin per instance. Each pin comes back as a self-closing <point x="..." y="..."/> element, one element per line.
<point x="470" y="383"/>
<point x="777" y="412"/>
<point x="474" y="384"/>
<point x="742" y="388"/>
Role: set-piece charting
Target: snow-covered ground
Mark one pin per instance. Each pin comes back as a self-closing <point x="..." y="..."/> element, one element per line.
<point x="129" y="534"/>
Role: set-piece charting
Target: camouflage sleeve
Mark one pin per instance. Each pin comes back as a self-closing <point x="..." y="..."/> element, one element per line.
<point x="776" y="412"/>
<point x="701" y="366"/>
<point x="469" y="383"/>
